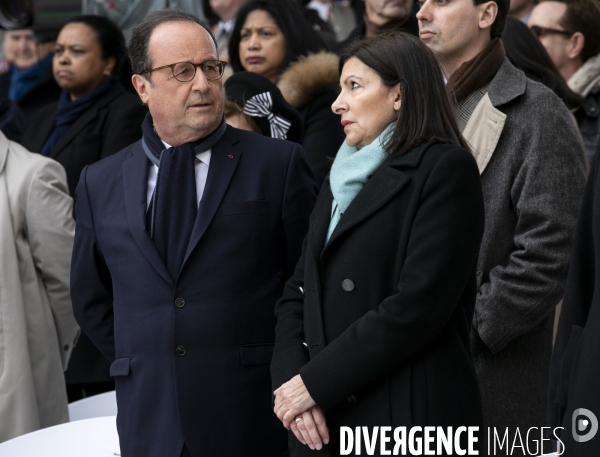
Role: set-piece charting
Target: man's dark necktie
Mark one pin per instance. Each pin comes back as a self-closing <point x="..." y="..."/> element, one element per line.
<point x="174" y="204"/>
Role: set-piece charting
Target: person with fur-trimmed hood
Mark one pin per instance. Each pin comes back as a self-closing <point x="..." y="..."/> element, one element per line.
<point x="270" y="39"/>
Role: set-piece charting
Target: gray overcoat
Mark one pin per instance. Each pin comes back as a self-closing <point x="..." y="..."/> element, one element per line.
<point x="532" y="169"/>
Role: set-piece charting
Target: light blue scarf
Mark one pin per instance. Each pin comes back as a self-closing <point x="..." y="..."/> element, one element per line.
<point x="350" y="171"/>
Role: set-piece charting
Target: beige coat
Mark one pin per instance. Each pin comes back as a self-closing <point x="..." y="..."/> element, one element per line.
<point x="37" y="327"/>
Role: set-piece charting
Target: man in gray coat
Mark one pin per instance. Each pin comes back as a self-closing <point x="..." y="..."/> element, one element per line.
<point x="532" y="167"/>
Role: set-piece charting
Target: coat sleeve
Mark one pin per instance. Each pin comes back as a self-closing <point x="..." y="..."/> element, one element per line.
<point x="299" y="198"/>
<point x="578" y="296"/>
<point x="299" y="201"/>
<point x="289" y="353"/>
<point x="91" y="285"/>
<point x="441" y="254"/>
<point x="323" y="135"/>
<point x="545" y="194"/>
<point x="123" y="126"/>
<point x="50" y="231"/>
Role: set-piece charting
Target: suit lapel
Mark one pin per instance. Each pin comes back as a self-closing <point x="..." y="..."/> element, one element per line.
<point x="87" y="117"/>
<point x="387" y="181"/>
<point x="135" y="183"/>
<point x="223" y="162"/>
<point x="3" y="150"/>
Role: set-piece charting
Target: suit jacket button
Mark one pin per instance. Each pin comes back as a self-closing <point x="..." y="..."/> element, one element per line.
<point x="181" y="351"/>
<point x="179" y="302"/>
<point x="348" y="285"/>
<point x="351" y="399"/>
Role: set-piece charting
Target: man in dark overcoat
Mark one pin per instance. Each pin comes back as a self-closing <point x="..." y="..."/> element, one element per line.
<point x="184" y="241"/>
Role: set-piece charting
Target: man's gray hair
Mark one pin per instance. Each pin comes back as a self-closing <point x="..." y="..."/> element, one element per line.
<point x="138" y="46"/>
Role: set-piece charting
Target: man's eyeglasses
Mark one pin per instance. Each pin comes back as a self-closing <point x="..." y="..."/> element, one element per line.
<point x="185" y="71"/>
<point x="539" y="31"/>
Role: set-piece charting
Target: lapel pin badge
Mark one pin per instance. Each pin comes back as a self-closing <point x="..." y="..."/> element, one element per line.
<point x="230" y="156"/>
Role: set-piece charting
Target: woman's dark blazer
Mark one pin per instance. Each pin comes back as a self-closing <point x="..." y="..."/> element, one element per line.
<point x="111" y="124"/>
<point x="377" y="320"/>
<point x="575" y="367"/>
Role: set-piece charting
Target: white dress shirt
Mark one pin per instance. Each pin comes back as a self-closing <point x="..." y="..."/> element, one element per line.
<point x="201" y="167"/>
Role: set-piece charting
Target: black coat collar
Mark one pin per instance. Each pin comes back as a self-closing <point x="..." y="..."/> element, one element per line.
<point x="89" y="116"/>
<point x="387" y="181"/>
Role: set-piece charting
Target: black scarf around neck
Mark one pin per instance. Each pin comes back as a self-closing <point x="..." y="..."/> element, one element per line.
<point x="174" y="204"/>
<point x="67" y="112"/>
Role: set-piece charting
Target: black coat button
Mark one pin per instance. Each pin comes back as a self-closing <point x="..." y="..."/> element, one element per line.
<point x="181" y="350"/>
<point x="348" y="285"/>
<point x="66" y="347"/>
<point x="351" y="399"/>
<point x="179" y="302"/>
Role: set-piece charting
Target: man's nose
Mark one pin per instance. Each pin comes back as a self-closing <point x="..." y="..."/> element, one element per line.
<point x="423" y="13"/>
<point x="22" y="45"/>
<point x="200" y="83"/>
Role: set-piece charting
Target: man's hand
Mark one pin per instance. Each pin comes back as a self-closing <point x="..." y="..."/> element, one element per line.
<point x="292" y="399"/>
<point x="311" y="429"/>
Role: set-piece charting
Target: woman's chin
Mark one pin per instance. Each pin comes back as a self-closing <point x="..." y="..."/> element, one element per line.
<point x="353" y="142"/>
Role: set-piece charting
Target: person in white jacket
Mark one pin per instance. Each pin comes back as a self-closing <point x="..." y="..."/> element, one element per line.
<point x="37" y="327"/>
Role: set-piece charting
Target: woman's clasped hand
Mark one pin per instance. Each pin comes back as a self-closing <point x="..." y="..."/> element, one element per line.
<point x="299" y="413"/>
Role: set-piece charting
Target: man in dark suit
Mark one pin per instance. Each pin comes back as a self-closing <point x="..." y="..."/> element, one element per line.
<point x="184" y="241"/>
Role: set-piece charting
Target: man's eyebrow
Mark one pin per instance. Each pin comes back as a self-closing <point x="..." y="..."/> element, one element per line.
<point x="351" y="76"/>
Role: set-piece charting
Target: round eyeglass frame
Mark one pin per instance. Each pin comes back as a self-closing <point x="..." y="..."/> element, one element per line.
<point x="220" y="64"/>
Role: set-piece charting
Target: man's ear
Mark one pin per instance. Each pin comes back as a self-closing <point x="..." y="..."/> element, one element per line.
<point x="575" y="45"/>
<point x="487" y="14"/>
<point x="141" y="85"/>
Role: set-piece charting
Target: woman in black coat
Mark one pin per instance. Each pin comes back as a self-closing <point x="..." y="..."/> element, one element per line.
<point x="373" y="327"/>
<point x="94" y="118"/>
<point x="575" y="368"/>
